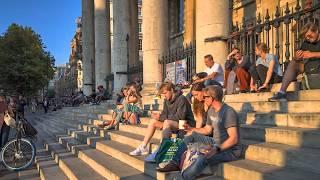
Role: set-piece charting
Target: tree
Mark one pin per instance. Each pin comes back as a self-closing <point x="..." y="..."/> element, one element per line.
<point x="25" y="64"/>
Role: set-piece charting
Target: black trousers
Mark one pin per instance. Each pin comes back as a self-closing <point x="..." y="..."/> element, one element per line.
<point x="259" y="73"/>
<point x="4" y="134"/>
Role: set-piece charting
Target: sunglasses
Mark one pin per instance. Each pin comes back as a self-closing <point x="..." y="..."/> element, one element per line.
<point x="206" y="97"/>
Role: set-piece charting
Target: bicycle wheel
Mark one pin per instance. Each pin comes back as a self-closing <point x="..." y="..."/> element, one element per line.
<point x="18" y="154"/>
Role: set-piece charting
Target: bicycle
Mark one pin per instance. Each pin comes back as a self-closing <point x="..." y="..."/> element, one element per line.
<point x="19" y="153"/>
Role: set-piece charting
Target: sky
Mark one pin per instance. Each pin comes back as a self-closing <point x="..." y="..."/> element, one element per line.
<point x="54" y="20"/>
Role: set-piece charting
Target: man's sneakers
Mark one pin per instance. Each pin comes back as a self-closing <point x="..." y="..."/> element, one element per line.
<point x="141" y="150"/>
<point x="279" y="96"/>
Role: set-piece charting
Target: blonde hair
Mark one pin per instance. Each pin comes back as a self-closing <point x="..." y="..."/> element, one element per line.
<point x="263" y="47"/>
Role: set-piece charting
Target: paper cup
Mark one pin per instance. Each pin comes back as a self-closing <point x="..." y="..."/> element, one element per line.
<point x="182" y="123"/>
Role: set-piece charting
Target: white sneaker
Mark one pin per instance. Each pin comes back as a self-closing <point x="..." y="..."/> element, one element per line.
<point x="140" y="151"/>
<point x="152" y="157"/>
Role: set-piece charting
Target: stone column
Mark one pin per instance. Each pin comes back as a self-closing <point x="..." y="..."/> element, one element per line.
<point x="121" y="38"/>
<point x="102" y="41"/>
<point x="155" y="40"/>
<point x="212" y="20"/>
<point x="87" y="45"/>
<point x="189" y="21"/>
<point x="134" y="34"/>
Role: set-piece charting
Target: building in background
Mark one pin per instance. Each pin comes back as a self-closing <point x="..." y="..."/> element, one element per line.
<point x="68" y="79"/>
<point x="184" y="31"/>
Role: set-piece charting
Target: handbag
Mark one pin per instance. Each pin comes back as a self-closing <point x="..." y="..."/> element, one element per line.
<point x="167" y="149"/>
<point x="311" y="81"/>
<point x="10" y="121"/>
<point x="193" y="152"/>
<point x="29" y="130"/>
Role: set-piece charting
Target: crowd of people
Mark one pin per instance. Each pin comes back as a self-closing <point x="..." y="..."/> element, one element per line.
<point x="207" y="119"/>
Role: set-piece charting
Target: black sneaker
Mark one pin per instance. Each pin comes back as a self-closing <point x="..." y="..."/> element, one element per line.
<point x="278" y="97"/>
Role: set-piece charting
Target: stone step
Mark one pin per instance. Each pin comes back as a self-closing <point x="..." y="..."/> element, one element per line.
<point x="94" y="129"/>
<point x="110" y="167"/>
<point x="49" y="170"/>
<point x="301" y="120"/>
<point x="72" y="144"/>
<point x="278" y="107"/>
<point x="88" y="128"/>
<point x="103" y="164"/>
<point x="305" y="95"/>
<point x="241" y="169"/>
<point x="284" y="155"/>
<point x="108" y="117"/>
<point x="299" y="137"/>
<point x="132" y="139"/>
<point x="121" y="152"/>
<point x="73" y="167"/>
<point x="247" y="169"/>
<point x="139" y="130"/>
<point x="85" y="137"/>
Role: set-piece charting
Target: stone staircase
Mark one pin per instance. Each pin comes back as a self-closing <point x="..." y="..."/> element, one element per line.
<point x="281" y="141"/>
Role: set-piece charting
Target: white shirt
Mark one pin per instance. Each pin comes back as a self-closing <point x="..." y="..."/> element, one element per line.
<point x="218" y="69"/>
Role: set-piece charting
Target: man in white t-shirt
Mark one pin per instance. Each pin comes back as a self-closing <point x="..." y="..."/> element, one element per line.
<point x="214" y="71"/>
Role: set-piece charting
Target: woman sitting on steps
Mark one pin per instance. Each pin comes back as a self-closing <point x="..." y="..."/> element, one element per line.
<point x="129" y="111"/>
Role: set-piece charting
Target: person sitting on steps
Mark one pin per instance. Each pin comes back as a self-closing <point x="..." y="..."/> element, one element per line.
<point x="199" y="108"/>
<point x="239" y="65"/>
<point x="214" y="72"/>
<point x="129" y="111"/>
<point x="309" y="53"/>
<point x="223" y="123"/>
<point x="266" y="71"/>
<point x="176" y="107"/>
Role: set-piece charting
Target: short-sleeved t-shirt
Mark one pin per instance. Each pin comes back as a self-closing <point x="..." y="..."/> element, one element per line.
<point x="218" y="69"/>
<point x="221" y="121"/>
<point x="312" y="63"/>
<point x="269" y="58"/>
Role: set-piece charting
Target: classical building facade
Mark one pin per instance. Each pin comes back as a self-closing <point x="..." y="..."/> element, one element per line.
<point x="186" y="29"/>
<point x="69" y="77"/>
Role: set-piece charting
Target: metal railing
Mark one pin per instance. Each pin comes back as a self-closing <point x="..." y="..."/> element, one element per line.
<point x="135" y="72"/>
<point x="281" y="33"/>
<point x="186" y="52"/>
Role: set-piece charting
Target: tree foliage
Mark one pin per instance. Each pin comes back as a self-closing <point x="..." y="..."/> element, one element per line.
<point x="25" y="64"/>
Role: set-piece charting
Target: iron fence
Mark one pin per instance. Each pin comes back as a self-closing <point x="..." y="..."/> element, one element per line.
<point x="280" y="31"/>
<point x="187" y="53"/>
<point x="135" y="72"/>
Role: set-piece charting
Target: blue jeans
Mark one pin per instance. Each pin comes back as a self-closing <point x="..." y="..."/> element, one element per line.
<point x="201" y="163"/>
<point x="210" y="82"/>
<point x="194" y="137"/>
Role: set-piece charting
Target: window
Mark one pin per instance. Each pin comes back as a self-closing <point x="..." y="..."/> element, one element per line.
<point x="139" y="11"/>
<point x="140" y="28"/>
<point x="140" y="44"/>
<point x="181" y="15"/>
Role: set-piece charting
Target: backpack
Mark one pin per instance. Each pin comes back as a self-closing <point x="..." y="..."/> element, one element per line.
<point x="311" y="81"/>
<point x="312" y="67"/>
<point x="167" y="149"/>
